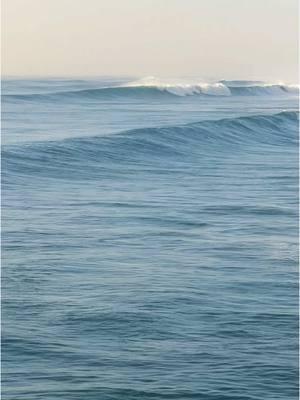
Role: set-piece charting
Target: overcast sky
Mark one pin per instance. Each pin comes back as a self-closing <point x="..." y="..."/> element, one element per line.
<point x="232" y="39"/>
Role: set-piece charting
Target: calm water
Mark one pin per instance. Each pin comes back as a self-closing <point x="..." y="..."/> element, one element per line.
<point x="149" y="241"/>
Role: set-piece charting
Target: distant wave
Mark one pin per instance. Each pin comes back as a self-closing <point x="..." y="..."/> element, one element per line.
<point x="151" y="87"/>
<point x="84" y="157"/>
<point x="220" y="88"/>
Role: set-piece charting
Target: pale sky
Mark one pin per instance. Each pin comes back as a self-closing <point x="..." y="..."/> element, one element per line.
<point x="233" y="39"/>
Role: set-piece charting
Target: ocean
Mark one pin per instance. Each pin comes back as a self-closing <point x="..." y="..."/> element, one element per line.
<point x="149" y="240"/>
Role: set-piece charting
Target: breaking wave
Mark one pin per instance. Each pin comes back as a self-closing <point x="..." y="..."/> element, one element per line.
<point x="152" y="87"/>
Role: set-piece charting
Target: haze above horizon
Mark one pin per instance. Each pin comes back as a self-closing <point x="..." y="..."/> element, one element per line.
<point x="213" y="39"/>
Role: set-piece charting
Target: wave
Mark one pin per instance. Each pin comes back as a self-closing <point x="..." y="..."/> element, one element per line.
<point x="256" y="90"/>
<point x="220" y="88"/>
<point x="159" y="147"/>
<point x="151" y="87"/>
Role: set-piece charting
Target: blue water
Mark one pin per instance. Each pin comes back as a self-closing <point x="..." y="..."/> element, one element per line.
<point x="149" y="240"/>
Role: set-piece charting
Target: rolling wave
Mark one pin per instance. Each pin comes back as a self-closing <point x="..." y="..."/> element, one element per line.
<point x="150" y="87"/>
<point x="156" y="147"/>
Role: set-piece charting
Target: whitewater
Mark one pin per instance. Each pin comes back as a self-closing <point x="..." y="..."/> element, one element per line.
<point x="150" y="236"/>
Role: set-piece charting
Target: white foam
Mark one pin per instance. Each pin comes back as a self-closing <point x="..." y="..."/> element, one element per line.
<point x="189" y="88"/>
<point x="182" y="88"/>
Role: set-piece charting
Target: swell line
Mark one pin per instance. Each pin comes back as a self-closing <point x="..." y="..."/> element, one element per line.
<point x="151" y="146"/>
<point x="160" y="90"/>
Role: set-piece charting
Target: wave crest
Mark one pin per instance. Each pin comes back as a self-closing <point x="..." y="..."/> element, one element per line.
<point x="182" y="89"/>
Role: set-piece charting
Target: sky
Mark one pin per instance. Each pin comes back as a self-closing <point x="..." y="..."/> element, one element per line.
<point x="231" y="39"/>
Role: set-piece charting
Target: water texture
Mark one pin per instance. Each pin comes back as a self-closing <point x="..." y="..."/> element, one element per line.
<point x="150" y="236"/>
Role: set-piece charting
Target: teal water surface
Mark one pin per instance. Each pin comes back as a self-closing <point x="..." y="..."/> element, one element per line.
<point x="149" y="241"/>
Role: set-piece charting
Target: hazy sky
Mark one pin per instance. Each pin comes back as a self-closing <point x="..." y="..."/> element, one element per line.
<point x="205" y="38"/>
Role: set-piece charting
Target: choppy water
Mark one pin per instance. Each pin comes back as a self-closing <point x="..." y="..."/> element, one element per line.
<point x="149" y="240"/>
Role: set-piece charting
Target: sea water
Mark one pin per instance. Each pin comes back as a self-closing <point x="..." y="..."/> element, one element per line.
<point x="150" y="240"/>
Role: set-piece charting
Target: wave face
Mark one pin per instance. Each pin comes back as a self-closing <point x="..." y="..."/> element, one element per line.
<point x="150" y="240"/>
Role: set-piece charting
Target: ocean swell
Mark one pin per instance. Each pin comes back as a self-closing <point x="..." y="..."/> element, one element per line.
<point x="87" y="156"/>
